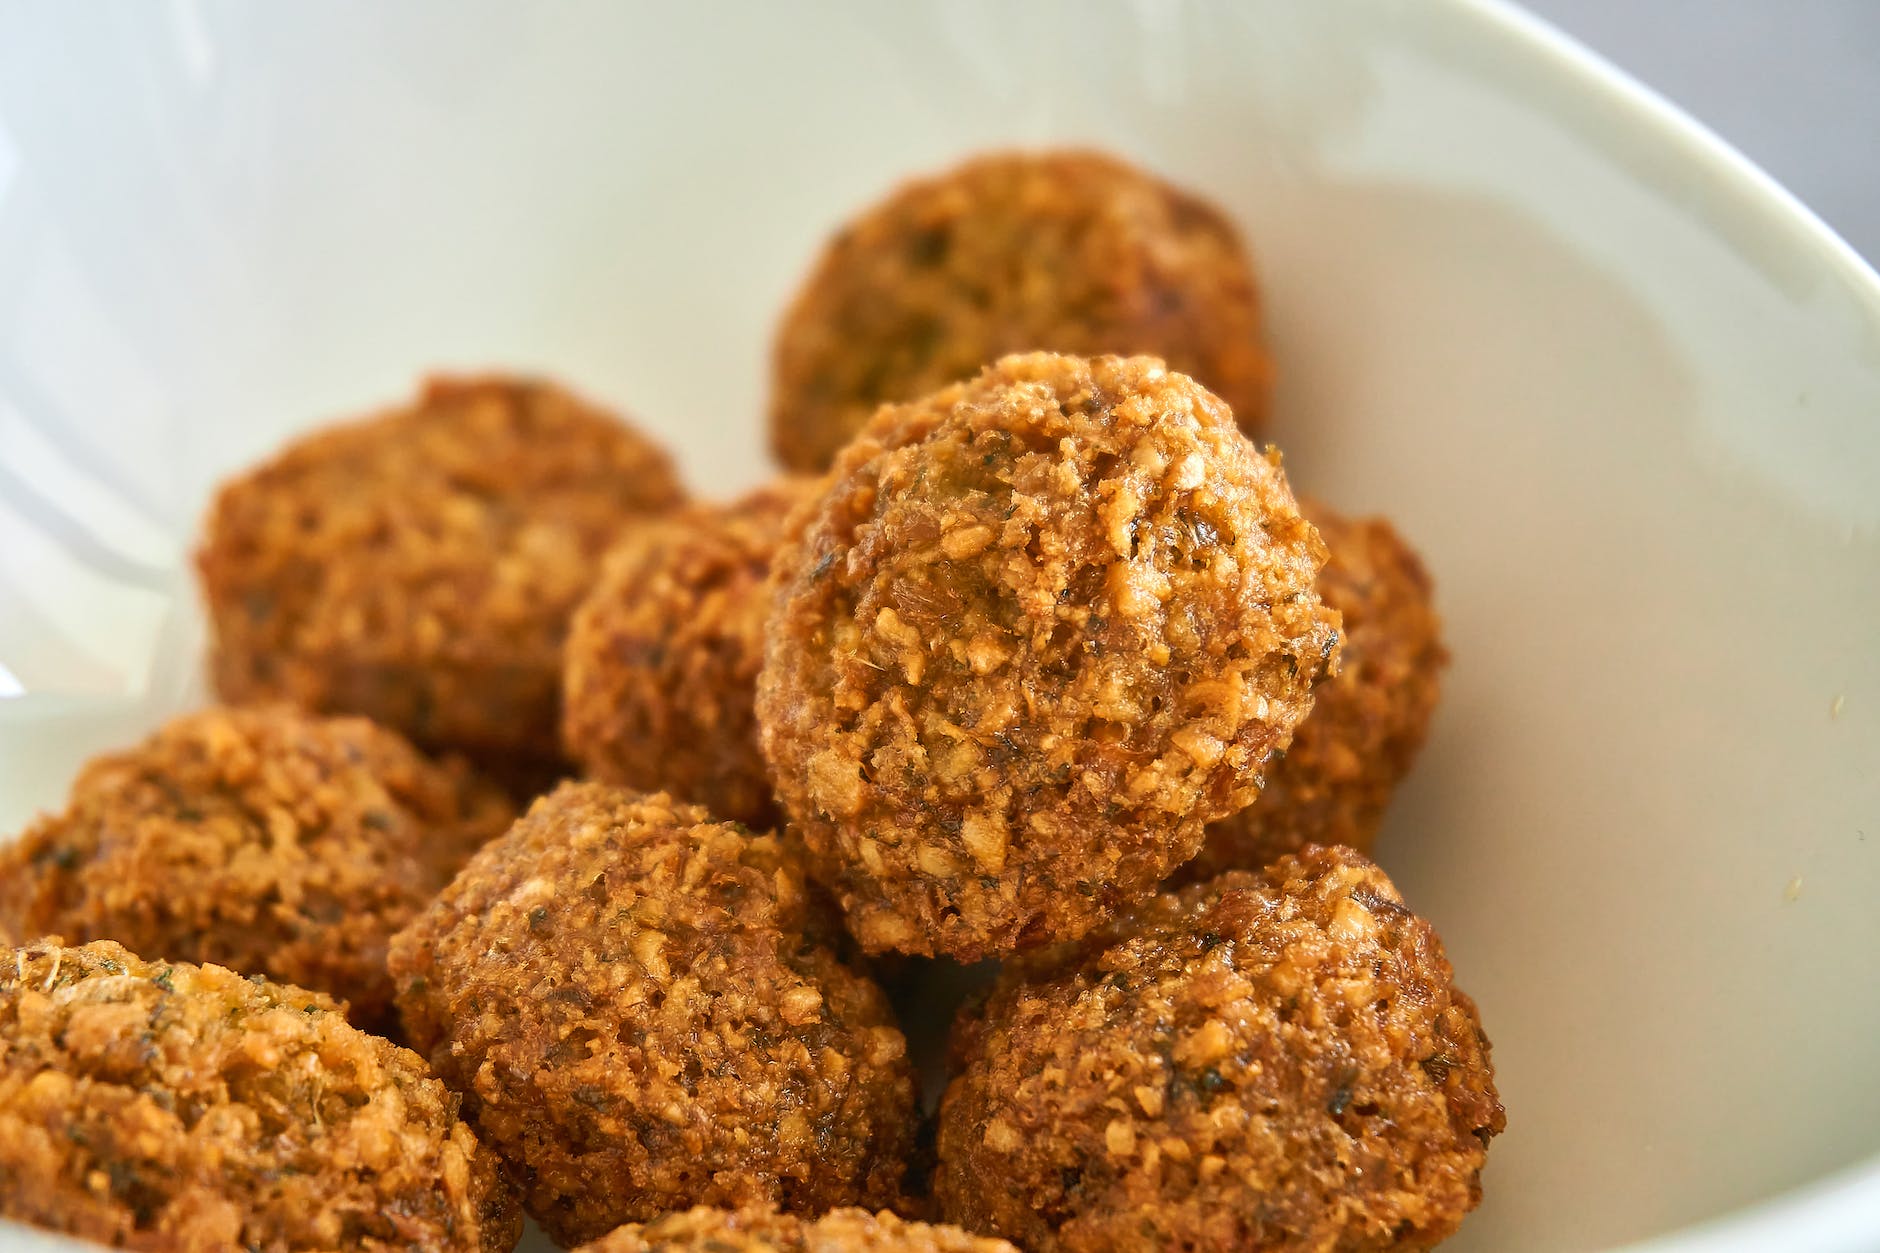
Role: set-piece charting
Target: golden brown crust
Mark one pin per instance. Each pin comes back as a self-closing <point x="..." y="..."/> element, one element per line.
<point x="165" y="1106"/>
<point x="1039" y="629"/>
<point x="1071" y="252"/>
<point x="661" y="666"/>
<point x="646" y="1011"/>
<point x="706" y="1230"/>
<point x="1272" y="1060"/>
<point x="1367" y="724"/>
<point x="268" y="840"/>
<point x="419" y="566"/>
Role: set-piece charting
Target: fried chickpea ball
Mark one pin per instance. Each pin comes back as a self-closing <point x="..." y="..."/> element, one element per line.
<point x="646" y="1011"/>
<point x="1263" y="1061"/>
<point x="706" y="1230"/>
<point x="661" y="666"/>
<point x="419" y="566"/>
<point x="1367" y="724"/>
<point x="268" y="840"/>
<point x="1070" y="252"/>
<point x="166" y="1106"/>
<point x="1041" y="627"/>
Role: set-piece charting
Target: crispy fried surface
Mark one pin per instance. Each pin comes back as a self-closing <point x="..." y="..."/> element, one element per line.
<point x="1272" y="1060"/>
<point x="1071" y="252"/>
<point x="1367" y="724"/>
<point x="1040" y="628"/>
<point x="646" y="1012"/>
<point x="164" y="1106"/>
<point x="662" y="658"/>
<point x="705" y="1230"/>
<point x="419" y="566"/>
<point x="267" y="840"/>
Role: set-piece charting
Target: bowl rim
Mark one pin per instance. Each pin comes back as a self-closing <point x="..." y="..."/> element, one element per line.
<point x="1838" y="1212"/>
<point x="1583" y="80"/>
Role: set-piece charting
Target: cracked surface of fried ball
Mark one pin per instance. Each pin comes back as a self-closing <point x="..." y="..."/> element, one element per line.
<point x="166" y="1106"/>
<point x="646" y="1011"/>
<point x="662" y="658"/>
<point x="705" y="1230"/>
<point x="1367" y="724"/>
<point x="1272" y="1060"/>
<point x="272" y="841"/>
<point x="1070" y="252"/>
<point x="419" y="566"/>
<point x="1039" y="629"/>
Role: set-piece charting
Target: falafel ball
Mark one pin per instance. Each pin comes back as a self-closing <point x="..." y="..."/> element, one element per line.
<point x="1039" y="630"/>
<point x="268" y="840"/>
<point x="1071" y="252"/>
<point x="1367" y="723"/>
<point x="1261" y="1061"/>
<point x="167" y="1106"/>
<point x="706" y="1230"/>
<point x="647" y="1011"/>
<point x="419" y="566"/>
<point x="662" y="658"/>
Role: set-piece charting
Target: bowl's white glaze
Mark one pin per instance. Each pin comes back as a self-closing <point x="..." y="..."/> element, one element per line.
<point x="1623" y="391"/>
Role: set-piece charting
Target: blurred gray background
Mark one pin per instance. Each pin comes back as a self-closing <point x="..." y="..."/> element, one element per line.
<point x="1793" y="84"/>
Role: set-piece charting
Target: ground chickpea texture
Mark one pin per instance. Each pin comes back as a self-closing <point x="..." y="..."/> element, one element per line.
<point x="1041" y="628"/>
<point x="1334" y="781"/>
<point x="419" y="566"/>
<point x="186" y="1109"/>
<point x="1029" y="688"/>
<point x="1072" y="252"/>
<point x="1274" y="1060"/>
<point x="705" y="1230"/>
<point x="647" y="1010"/>
<point x="660" y="671"/>
<point x="268" y="840"/>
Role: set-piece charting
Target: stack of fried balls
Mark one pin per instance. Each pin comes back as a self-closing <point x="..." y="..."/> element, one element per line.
<point x="568" y="847"/>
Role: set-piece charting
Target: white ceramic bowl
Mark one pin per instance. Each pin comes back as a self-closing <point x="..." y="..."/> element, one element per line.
<point x="1623" y="391"/>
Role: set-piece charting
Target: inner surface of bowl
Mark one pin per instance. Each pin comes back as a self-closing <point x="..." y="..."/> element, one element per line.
<point x="1621" y="395"/>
